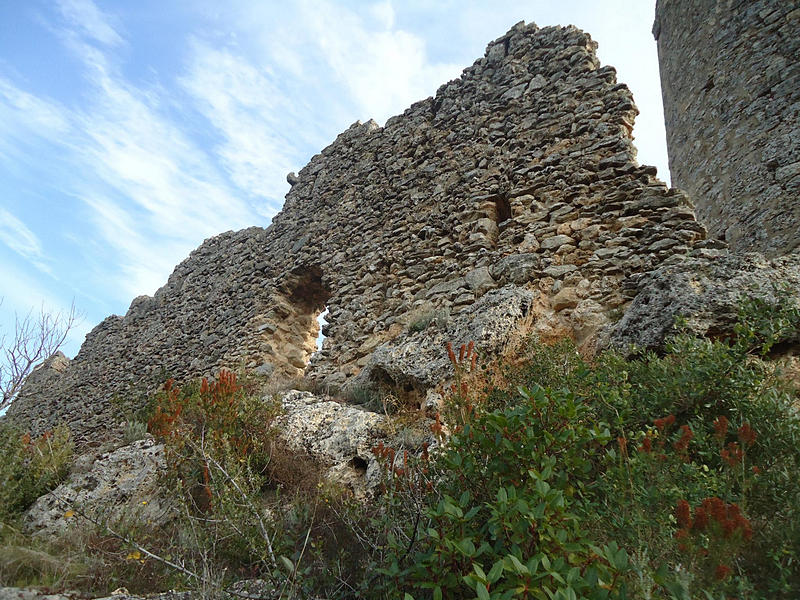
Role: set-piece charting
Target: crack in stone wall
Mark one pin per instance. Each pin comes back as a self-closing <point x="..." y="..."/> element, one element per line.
<point x="522" y="171"/>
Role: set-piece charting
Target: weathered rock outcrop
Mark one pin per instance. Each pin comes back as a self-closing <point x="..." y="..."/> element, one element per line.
<point x="706" y="293"/>
<point x="123" y="481"/>
<point x="415" y="362"/>
<point x="338" y="436"/>
<point x="522" y="172"/>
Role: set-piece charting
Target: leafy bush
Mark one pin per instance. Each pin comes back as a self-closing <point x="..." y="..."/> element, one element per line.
<point x="506" y="520"/>
<point x="664" y="476"/>
<point x="30" y="467"/>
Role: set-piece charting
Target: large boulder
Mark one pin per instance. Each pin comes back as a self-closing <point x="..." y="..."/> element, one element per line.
<point x="338" y="436"/>
<point x="104" y="487"/>
<point x="418" y="360"/>
<point x="705" y="292"/>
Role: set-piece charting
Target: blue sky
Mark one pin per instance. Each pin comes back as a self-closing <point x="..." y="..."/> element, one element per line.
<point x="132" y="131"/>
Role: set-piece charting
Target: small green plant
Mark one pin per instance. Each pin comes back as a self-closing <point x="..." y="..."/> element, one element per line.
<point x="134" y="430"/>
<point x="763" y="325"/>
<point x="364" y="395"/>
<point x="421" y="318"/>
<point x="30" y="467"/>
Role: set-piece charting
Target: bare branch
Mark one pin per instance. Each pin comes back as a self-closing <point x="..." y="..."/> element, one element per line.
<point x="36" y="337"/>
<point x="248" y="503"/>
<point x="131" y="542"/>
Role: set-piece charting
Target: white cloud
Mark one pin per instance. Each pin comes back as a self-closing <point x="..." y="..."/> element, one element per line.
<point x="152" y="193"/>
<point x="141" y="264"/>
<point x="252" y="114"/>
<point x="353" y="64"/>
<point x="158" y="192"/>
<point x="383" y="13"/>
<point x="25" y="118"/>
<point x="85" y="16"/>
<point x="384" y="71"/>
<point x="20" y="239"/>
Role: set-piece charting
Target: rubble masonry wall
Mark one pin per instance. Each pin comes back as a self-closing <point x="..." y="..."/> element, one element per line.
<point x="522" y="171"/>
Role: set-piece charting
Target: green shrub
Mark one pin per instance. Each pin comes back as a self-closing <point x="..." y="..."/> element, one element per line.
<point x="506" y="520"/>
<point x="134" y="430"/>
<point x="364" y="395"/>
<point x="696" y="497"/>
<point x="30" y="467"/>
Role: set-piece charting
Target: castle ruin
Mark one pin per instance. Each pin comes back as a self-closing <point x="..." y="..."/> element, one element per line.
<point x="521" y="173"/>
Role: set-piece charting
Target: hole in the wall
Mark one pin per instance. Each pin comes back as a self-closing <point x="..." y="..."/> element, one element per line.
<point x="359" y="465"/>
<point x="502" y="209"/>
<point x="307" y="290"/>
<point x="299" y="336"/>
<point x="321" y="322"/>
<point x="405" y="394"/>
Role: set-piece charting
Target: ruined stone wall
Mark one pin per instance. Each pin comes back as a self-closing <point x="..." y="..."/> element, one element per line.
<point x="730" y="79"/>
<point x="522" y="172"/>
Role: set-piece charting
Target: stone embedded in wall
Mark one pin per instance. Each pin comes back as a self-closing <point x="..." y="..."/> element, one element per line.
<point x="730" y="79"/>
<point x="416" y="361"/>
<point x="520" y="172"/>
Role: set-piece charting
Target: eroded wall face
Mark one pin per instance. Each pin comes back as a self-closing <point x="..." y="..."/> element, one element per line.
<point x="730" y="79"/>
<point x="520" y="172"/>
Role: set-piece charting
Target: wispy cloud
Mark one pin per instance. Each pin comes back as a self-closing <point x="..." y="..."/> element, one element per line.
<point x="157" y="193"/>
<point x="90" y="21"/>
<point x="384" y="69"/>
<point x="26" y="119"/>
<point x="350" y="61"/>
<point x="141" y="153"/>
<point x="20" y="239"/>
<point x="150" y="191"/>
<point x="253" y="117"/>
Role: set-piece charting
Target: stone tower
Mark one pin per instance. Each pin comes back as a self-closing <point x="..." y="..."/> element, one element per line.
<point x="730" y="78"/>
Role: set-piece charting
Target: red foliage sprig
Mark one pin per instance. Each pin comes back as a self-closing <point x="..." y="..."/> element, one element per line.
<point x="683" y="442"/>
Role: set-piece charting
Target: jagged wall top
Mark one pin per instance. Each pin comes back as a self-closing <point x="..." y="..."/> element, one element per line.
<point x="521" y="172"/>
